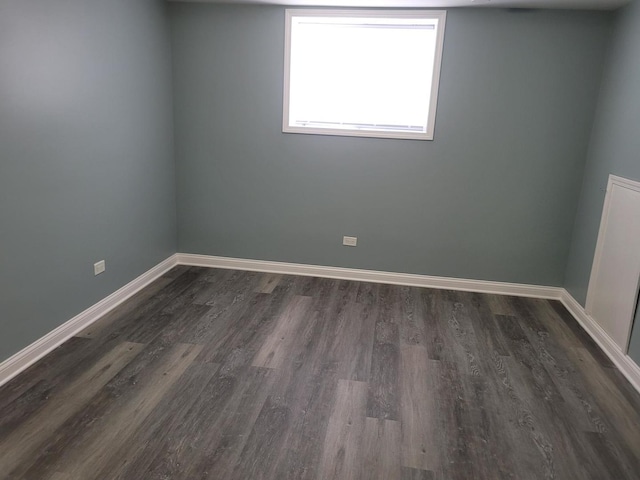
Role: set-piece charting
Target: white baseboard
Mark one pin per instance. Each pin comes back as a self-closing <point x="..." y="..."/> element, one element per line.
<point x="626" y="365"/>
<point x="428" y="281"/>
<point x="29" y="355"/>
<point x="621" y="360"/>
<point x="38" y="349"/>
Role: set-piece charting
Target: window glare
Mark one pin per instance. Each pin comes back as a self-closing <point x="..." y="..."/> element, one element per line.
<point x="350" y="72"/>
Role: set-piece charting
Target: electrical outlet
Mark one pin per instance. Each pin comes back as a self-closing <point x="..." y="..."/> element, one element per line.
<point x="350" y="241"/>
<point x="99" y="267"/>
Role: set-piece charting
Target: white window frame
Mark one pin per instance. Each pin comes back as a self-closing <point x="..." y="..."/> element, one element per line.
<point x="439" y="15"/>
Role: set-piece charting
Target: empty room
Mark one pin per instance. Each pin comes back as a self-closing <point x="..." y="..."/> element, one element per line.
<point x="315" y="239"/>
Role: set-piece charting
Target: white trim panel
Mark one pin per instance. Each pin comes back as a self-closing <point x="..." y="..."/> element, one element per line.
<point x="482" y="286"/>
<point x="614" y="304"/>
<point x="626" y="365"/>
<point x="604" y="220"/>
<point x="38" y="349"/>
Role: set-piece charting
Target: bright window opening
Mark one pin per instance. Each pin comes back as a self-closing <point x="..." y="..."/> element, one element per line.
<point x="371" y="73"/>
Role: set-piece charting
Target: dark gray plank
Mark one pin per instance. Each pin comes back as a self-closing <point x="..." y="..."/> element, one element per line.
<point x="19" y="448"/>
<point x="342" y="451"/>
<point x="382" y="401"/>
<point x="415" y="474"/>
<point x="266" y="443"/>
<point x="54" y="367"/>
<point x="209" y="438"/>
<point x="135" y="454"/>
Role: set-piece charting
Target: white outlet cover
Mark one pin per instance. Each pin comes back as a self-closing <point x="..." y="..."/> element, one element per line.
<point x="99" y="267"/>
<point x="350" y="241"/>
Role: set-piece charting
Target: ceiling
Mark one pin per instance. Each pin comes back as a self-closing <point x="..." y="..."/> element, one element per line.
<point x="559" y="4"/>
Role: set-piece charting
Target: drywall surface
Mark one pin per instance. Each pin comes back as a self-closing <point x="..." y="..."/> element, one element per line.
<point x="86" y="156"/>
<point x="614" y="149"/>
<point x="492" y="197"/>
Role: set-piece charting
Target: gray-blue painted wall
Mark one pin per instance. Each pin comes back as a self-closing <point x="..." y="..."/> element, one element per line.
<point x="492" y="197"/>
<point x="86" y="156"/>
<point x="86" y="152"/>
<point x="614" y="148"/>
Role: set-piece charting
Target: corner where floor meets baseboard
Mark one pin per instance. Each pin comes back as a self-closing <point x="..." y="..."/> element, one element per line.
<point x="625" y="364"/>
<point x="32" y="353"/>
<point x="415" y="280"/>
<point x="38" y="349"/>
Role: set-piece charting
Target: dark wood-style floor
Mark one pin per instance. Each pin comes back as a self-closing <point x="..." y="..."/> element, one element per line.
<point x="223" y="374"/>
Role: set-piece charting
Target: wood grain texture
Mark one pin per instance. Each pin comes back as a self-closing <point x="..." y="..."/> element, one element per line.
<point x="267" y="283"/>
<point x="277" y="346"/>
<point x="381" y="457"/>
<point x="341" y="455"/>
<point x="223" y="374"/>
<point x="24" y="440"/>
<point x="414" y="474"/>
<point x="383" y="389"/>
<point x="420" y="428"/>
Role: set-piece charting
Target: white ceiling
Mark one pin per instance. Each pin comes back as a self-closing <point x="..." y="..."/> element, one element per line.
<point x="567" y="4"/>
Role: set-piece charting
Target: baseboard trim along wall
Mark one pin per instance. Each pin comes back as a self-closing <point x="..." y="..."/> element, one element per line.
<point x="29" y="355"/>
<point x="38" y="349"/>
<point x="374" y="276"/>
<point x="627" y="366"/>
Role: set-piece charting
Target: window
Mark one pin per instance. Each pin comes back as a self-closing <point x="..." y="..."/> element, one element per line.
<point x="367" y="73"/>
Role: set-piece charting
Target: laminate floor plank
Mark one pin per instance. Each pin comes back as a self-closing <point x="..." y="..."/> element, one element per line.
<point x="307" y="386"/>
<point x="352" y="345"/>
<point x="500" y="304"/>
<point x="342" y="451"/>
<point x="218" y="322"/>
<point x="368" y="293"/>
<point x="307" y="382"/>
<point x="143" y="299"/>
<point x="128" y="381"/>
<point x="415" y="474"/>
<point x="538" y="379"/>
<point x="381" y="457"/>
<point x="223" y="374"/>
<point x="266" y="443"/>
<point x="306" y="431"/>
<point x="432" y="314"/>
<point x="624" y="423"/>
<point x="224" y="451"/>
<point x="468" y="393"/>
<point x="95" y="452"/>
<point x="136" y="453"/>
<point x="418" y="408"/>
<point x="277" y="345"/>
<point x="463" y="351"/>
<point x="211" y="434"/>
<point x="257" y="314"/>
<point x="533" y="451"/>
<point x="561" y="455"/>
<point x="543" y="394"/>
<point x="267" y="283"/>
<point x="383" y="389"/>
<point x="20" y="445"/>
<point x="584" y="339"/>
<point x="413" y="328"/>
<point x="54" y="367"/>
<point x="580" y="409"/>
<point x="61" y="476"/>
<point x="114" y="323"/>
